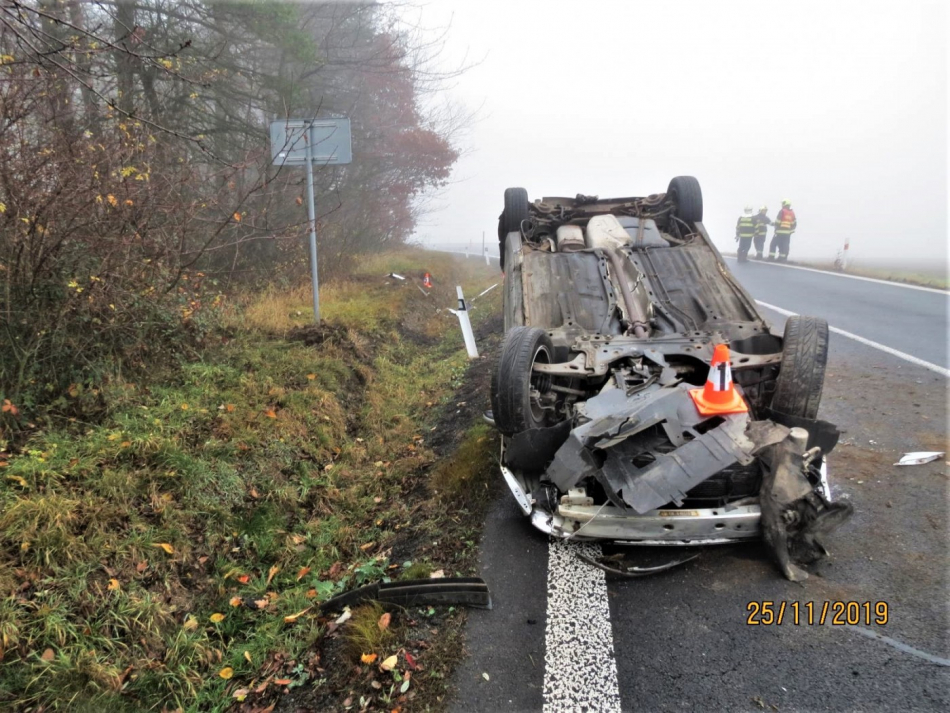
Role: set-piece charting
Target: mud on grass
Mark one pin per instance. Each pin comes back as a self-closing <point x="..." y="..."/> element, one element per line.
<point x="172" y="554"/>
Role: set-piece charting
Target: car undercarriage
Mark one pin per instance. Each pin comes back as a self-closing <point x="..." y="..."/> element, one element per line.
<point x="615" y="310"/>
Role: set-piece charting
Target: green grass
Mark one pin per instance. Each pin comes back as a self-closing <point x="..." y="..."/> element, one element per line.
<point x="250" y="484"/>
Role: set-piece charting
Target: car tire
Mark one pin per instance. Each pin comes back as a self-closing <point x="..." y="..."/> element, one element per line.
<point x="802" y="370"/>
<point x="516" y="209"/>
<point x="512" y="381"/>
<point x="687" y="198"/>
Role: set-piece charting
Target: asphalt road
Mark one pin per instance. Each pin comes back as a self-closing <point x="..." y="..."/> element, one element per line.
<point x="680" y="640"/>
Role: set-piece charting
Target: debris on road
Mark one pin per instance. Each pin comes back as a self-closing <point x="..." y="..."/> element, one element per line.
<point x="634" y="572"/>
<point x="920" y="457"/>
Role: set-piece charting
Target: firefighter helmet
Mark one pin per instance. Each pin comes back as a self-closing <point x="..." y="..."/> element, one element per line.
<point x="764" y="209"/>
<point x="787" y="203"/>
<point x="748" y="210"/>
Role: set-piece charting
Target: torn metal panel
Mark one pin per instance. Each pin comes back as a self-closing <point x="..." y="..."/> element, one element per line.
<point x="671" y="475"/>
<point x="794" y="514"/>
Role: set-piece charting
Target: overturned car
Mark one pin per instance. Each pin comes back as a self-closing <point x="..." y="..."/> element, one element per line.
<point x="641" y="397"/>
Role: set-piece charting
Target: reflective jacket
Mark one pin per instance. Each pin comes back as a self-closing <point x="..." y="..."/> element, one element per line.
<point x="762" y="223"/>
<point x="785" y="222"/>
<point x="745" y="228"/>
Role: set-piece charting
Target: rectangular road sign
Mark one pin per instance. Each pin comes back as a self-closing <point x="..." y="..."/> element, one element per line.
<point x="329" y="139"/>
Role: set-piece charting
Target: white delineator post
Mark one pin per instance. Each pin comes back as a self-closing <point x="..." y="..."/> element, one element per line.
<point x="466" y="325"/>
<point x="485" y="249"/>
<point x="844" y="254"/>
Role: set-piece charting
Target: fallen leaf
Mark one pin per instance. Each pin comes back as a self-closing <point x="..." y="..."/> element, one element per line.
<point x="311" y="593"/>
<point x="302" y="572"/>
<point x="374" y="683"/>
<point x="17" y="479"/>
<point x="165" y="546"/>
<point x="114" y="585"/>
<point x="240" y="694"/>
<point x="311" y="377"/>
<point x="226" y="672"/>
<point x="229" y="408"/>
<point x="270" y="413"/>
<point x="217" y="618"/>
<point x="368" y="658"/>
<point x="377" y="500"/>
<point x="283" y="681"/>
<point x="243" y="578"/>
<point x="235" y="601"/>
<point x="237" y="217"/>
<point x="438" y="574"/>
<point x="141" y="566"/>
<point x="389" y="664"/>
<point x="293" y="617"/>
<point x="405" y="686"/>
<point x="485" y="676"/>
<point x="125" y="444"/>
<point x="261" y="603"/>
<point x="48" y="655"/>
<point x="411" y="661"/>
<point x="344" y="616"/>
<point x="367" y="546"/>
<point x="271" y="572"/>
<point x="247" y="656"/>
<point x="190" y="624"/>
<point x="253" y="493"/>
<point x="384" y="621"/>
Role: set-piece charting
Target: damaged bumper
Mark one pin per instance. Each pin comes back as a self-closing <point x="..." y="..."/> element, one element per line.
<point x="734" y="522"/>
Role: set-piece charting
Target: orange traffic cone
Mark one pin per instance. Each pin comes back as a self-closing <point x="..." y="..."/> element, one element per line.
<point x="427" y="281"/>
<point x="718" y="396"/>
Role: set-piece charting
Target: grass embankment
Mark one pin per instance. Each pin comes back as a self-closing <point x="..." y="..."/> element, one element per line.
<point x="171" y="554"/>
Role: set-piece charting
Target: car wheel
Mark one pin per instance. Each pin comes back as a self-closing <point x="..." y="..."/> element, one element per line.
<point x="687" y="196"/>
<point x="802" y="370"/>
<point x="516" y="208"/>
<point x="521" y="398"/>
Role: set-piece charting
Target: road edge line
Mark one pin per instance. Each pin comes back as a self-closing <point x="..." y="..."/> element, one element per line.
<point x="867" y="342"/>
<point x="892" y="283"/>
<point x="580" y="664"/>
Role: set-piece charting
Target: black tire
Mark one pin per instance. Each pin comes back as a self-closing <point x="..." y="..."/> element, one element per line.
<point x="802" y="371"/>
<point x="687" y="196"/>
<point x="516" y="209"/>
<point x="513" y="409"/>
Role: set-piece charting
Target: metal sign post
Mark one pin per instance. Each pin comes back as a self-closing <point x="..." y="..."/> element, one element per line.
<point x="298" y="142"/>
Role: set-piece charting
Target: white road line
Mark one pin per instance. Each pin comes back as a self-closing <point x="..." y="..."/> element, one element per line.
<point x="851" y="277"/>
<point x="876" y="345"/>
<point x="580" y="669"/>
<point x="899" y="645"/>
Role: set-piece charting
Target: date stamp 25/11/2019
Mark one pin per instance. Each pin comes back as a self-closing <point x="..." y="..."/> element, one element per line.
<point x="836" y="613"/>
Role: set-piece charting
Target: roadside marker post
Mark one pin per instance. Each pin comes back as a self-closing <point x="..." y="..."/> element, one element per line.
<point x="296" y="142"/>
<point x="467" y="334"/>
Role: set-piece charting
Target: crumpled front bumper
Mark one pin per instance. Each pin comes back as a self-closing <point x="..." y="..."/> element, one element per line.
<point x="735" y="522"/>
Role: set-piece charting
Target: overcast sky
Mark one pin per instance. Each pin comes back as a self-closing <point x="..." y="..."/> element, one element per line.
<point x="841" y="107"/>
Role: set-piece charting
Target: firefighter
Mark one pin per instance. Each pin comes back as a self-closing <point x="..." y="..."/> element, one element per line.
<point x="762" y="223"/>
<point x="745" y="230"/>
<point x="785" y="225"/>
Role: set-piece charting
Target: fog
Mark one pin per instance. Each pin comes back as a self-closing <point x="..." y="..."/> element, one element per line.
<point x="839" y="107"/>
